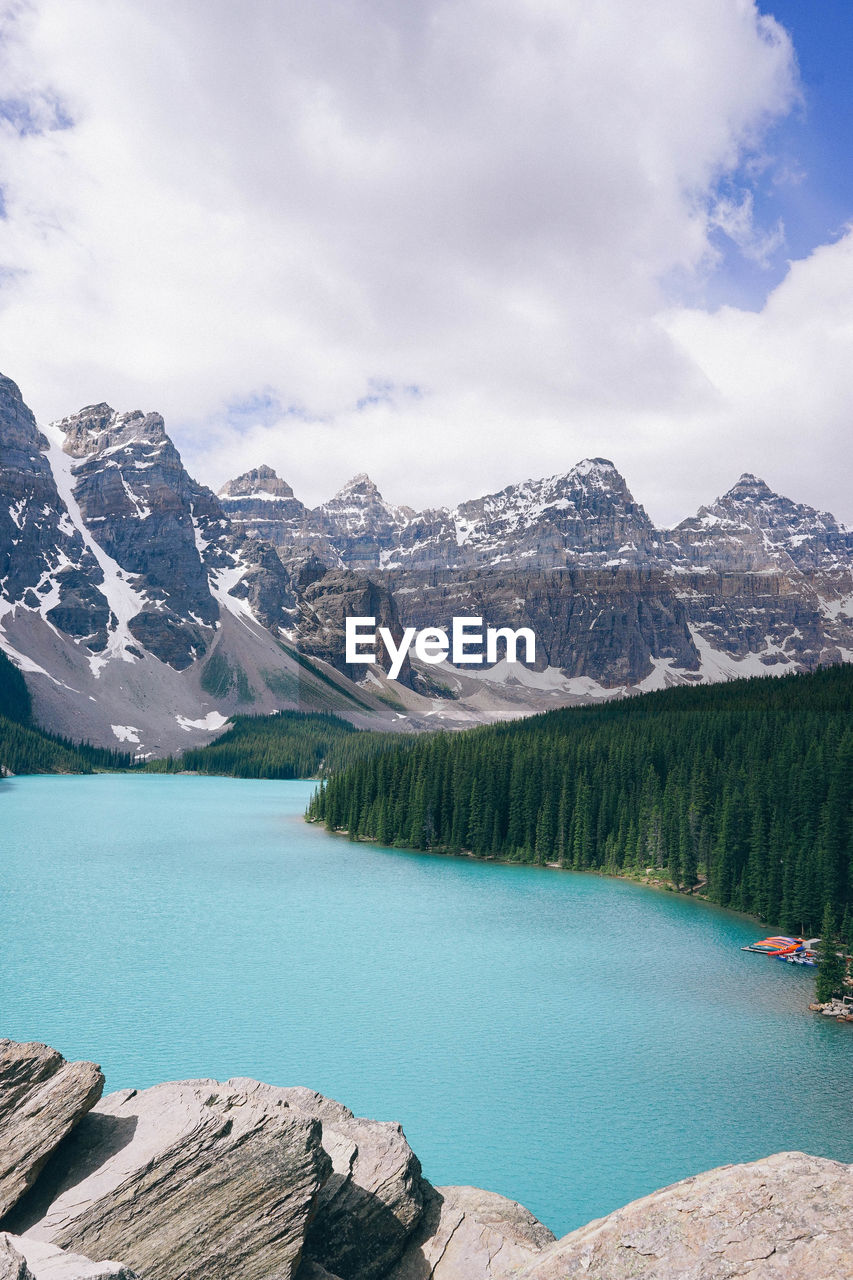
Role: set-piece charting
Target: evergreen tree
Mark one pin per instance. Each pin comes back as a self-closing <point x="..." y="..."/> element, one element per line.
<point x="745" y="789"/>
<point x="831" y="965"/>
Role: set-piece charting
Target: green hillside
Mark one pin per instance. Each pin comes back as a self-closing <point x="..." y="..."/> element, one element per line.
<point x="291" y="744"/>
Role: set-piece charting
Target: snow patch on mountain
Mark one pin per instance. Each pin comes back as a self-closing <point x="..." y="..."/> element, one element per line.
<point x="842" y="607"/>
<point x="716" y="665"/>
<point x="222" y="583"/>
<point x="126" y="733"/>
<point x="123" y="600"/>
<point x="22" y="660"/>
<point x="210" y="723"/>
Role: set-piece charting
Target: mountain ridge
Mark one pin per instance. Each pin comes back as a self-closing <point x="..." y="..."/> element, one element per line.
<point x="145" y="609"/>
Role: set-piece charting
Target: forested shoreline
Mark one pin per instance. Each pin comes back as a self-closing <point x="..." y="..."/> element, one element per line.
<point x="291" y="744"/>
<point x="749" y="784"/>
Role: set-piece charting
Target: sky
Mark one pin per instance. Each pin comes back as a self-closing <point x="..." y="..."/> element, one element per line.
<point x="454" y="244"/>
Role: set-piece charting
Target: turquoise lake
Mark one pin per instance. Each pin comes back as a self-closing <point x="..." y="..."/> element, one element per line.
<point x="570" y="1041"/>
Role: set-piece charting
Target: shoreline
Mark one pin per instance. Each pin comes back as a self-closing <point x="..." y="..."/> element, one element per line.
<point x="644" y="881"/>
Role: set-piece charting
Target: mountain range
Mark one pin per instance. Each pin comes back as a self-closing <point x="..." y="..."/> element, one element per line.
<point x="145" y="609"/>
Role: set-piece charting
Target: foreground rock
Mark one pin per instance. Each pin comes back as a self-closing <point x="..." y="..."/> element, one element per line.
<point x="42" y="1098"/>
<point x="25" y="1259"/>
<point x="789" y="1217"/>
<point x="219" y="1176"/>
<point x="374" y="1199"/>
<point x="204" y="1181"/>
<point x="468" y="1233"/>
<point x="187" y="1181"/>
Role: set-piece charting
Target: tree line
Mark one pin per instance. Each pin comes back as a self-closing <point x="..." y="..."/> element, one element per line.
<point x="291" y="744"/>
<point x="747" y="786"/>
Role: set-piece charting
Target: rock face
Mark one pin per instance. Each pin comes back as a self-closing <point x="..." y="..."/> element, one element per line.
<point x="753" y="583"/>
<point x="183" y="1182"/>
<point x="373" y="1201"/>
<point x="468" y="1233"/>
<point x="130" y="484"/>
<point x="42" y="1098"/>
<point x="327" y="601"/>
<point x="609" y="625"/>
<point x="45" y="566"/>
<point x="784" y="1218"/>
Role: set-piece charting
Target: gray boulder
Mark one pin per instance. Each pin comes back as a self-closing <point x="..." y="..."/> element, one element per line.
<point x="788" y="1217"/>
<point x="468" y="1233"/>
<point x="187" y="1181"/>
<point x="42" y="1098"/>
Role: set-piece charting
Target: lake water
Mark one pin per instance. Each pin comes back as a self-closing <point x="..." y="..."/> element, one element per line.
<point x="569" y="1041"/>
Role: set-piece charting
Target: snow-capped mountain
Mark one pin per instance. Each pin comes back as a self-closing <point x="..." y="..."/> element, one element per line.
<point x="138" y="612"/>
<point x="145" y="609"/>
<point x="585" y="517"/>
<point x="753" y="529"/>
<point x="753" y="583"/>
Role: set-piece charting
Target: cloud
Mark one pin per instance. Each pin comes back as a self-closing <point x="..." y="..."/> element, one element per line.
<point x="431" y="241"/>
<point x="735" y="216"/>
<point x="782" y="381"/>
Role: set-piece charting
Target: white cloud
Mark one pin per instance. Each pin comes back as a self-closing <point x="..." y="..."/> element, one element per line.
<point x="783" y="382"/>
<point x="475" y="198"/>
<point x="735" y="216"/>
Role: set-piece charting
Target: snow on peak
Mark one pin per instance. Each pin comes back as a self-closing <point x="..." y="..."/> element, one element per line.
<point x="260" y="480"/>
<point x="749" y="486"/>
<point x="360" y="486"/>
<point x="100" y="429"/>
<point x="595" y="466"/>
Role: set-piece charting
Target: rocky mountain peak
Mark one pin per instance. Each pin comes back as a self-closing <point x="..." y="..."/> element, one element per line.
<point x="748" y="504"/>
<point x="752" y="502"/>
<point x="596" y="468"/>
<point x="752" y="529"/>
<point x="594" y="480"/>
<point x="359" y="522"/>
<point x="360" y="487"/>
<point x="98" y="428"/>
<point x="260" y="480"/>
<point x="749" y="489"/>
